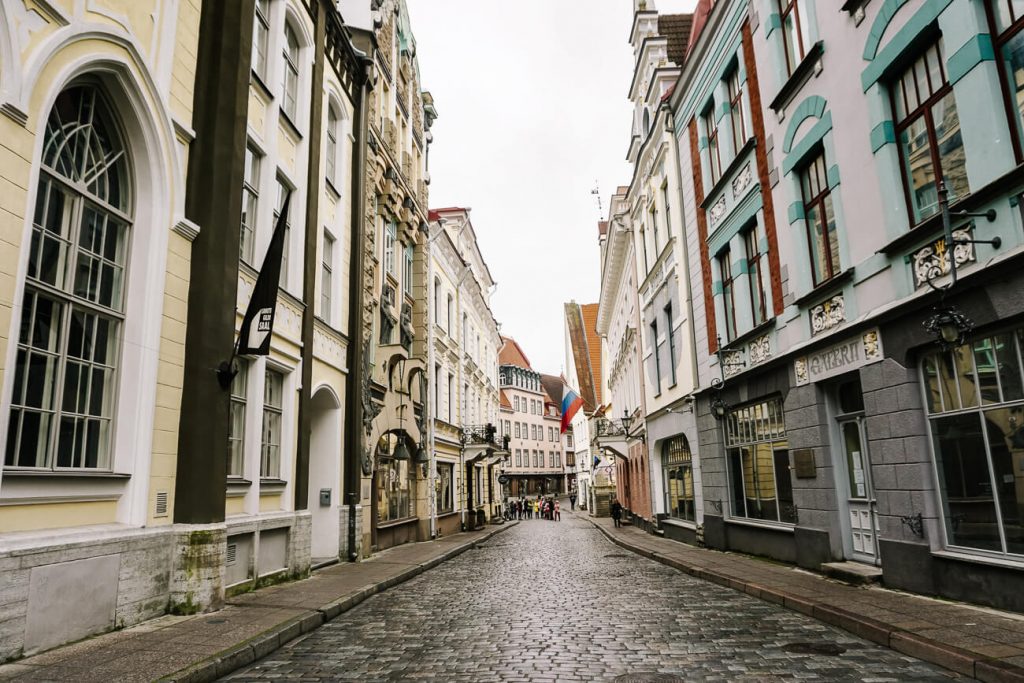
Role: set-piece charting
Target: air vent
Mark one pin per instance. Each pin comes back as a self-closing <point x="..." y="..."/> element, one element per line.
<point x="232" y="553"/>
<point x="161" y="504"/>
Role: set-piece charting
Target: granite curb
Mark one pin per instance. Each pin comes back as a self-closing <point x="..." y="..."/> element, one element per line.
<point x="245" y="653"/>
<point x="986" y="669"/>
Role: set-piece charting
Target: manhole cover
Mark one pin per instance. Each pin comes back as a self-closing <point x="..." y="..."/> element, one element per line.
<point x="829" y="649"/>
<point x="616" y="555"/>
<point x="649" y="678"/>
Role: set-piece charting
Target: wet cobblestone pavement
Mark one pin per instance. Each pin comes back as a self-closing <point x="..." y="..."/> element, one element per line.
<point x="555" y="601"/>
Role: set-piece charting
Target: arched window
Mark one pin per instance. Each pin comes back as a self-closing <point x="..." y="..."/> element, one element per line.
<point x="290" y="80"/>
<point x="647" y="122"/>
<point x="332" y="144"/>
<point x="437" y="300"/>
<point x="62" y="407"/>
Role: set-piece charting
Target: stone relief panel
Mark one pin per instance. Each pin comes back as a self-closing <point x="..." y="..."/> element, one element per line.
<point x="760" y="349"/>
<point x="933" y="260"/>
<point x="742" y="181"/>
<point x="828" y="314"/>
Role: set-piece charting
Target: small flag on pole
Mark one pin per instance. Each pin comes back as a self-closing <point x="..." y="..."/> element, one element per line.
<point x="571" y="403"/>
<point x="258" y="322"/>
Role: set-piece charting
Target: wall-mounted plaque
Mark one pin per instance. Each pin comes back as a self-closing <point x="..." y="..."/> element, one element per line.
<point x="803" y="464"/>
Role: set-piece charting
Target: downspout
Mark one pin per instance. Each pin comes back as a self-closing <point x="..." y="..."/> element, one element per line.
<point x="670" y="129"/>
<point x="354" y="393"/>
<point x="310" y="263"/>
<point x="432" y="413"/>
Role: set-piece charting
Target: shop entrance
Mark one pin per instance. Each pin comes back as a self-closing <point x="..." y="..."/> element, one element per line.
<point x="850" y="452"/>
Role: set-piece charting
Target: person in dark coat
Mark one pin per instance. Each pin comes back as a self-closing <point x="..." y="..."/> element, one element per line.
<point x="617" y="511"/>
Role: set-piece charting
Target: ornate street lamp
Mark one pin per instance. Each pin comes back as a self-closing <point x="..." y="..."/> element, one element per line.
<point x="947" y="323"/>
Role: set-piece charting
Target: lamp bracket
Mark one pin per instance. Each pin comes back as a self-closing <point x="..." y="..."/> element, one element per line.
<point x="996" y="241"/>
<point x="989" y="215"/>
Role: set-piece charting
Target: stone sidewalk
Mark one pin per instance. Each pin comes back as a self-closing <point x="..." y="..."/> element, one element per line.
<point x="980" y="642"/>
<point x="250" y="626"/>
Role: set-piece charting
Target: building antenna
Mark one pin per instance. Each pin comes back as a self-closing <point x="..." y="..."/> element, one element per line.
<point x="597" y="193"/>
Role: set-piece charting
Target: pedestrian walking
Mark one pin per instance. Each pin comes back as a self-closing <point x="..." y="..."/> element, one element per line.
<point x="616" y="512"/>
<point x="558" y="511"/>
<point x="572" y="501"/>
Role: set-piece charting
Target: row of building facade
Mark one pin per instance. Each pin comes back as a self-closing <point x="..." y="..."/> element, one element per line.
<point x="810" y="314"/>
<point x="147" y="151"/>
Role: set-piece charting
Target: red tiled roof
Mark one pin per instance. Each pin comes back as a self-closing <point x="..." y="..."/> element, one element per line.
<point x="512" y="354"/>
<point x="700" y="17"/>
<point x="505" y="403"/>
<point x="602" y="227"/>
<point x="593" y="345"/>
<point x="553" y="388"/>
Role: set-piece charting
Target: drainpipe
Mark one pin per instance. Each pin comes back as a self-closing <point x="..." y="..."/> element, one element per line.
<point x="670" y="130"/>
<point x="354" y="393"/>
<point x="309" y="269"/>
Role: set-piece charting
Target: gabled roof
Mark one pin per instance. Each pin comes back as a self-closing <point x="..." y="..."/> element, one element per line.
<point x="593" y="345"/>
<point x="602" y="228"/>
<point x="581" y="354"/>
<point x="512" y="354"/>
<point x="676" y="27"/>
<point x="700" y="17"/>
<point x="553" y="388"/>
<point x="505" y="403"/>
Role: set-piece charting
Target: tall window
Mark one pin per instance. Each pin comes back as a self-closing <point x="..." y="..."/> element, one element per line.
<point x="714" y="156"/>
<point x="250" y="200"/>
<point x="669" y="325"/>
<point x="451" y="398"/>
<point x="390" y="245"/>
<point x="796" y="35"/>
<point x="282" y="192"/>
<point x="437" y="389"/>
<point x="758" y="300"/>
<point x="519" y="458"/>
<point x="822" y="239"/>
<point x="273" y="408"/>
<point x="928" y="130"/>
<point x="1008" y="19"/>
<point x="739" y="126"/>
<point x="290" y="79"/>
<point x="445" y="490"/>
<point x="653" y="215"/>
<point x="450" y="313"/>
<point x="728" y="298"/>
<point x="668" y="211"/>
<point x="394" y="487"/>
<point x="437" y="300"/>
<point x="236" y="428"/>
<point x="407" y="270"/>
<point x="331" y="150"/>
<point x="656" y="352"/>
<point x="65" y="372"/>
<point x="758" y="463"/>
<point x="677" y="461"/>
<point x="261" y="39"/>
<point x="326" y="277"/>
<point x="643" y="246"/>
<point x="975" y="402"/>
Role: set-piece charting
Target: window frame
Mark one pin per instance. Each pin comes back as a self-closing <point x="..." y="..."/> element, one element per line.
<point x="270" y="452"/>
<point x="754" y="276"/>
<point x="671" y="341"/>
<point x="655" y="351"/>
<point x="326" y="276"/>
<point x="714" y="153"/>
<point x="331" y="146"/>
<point x="786" y="8"/>
<point x="239" y="400"/>
<point x="250" y="198"/>
<point x="261" y="30"/>
<point x="1000" y="39"/>
<point x="728" y="293"/>
<point x="736" y="113"/>
<point x="290" y="73"/>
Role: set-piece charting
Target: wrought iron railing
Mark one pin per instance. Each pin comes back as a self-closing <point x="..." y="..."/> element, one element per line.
<point x="485" y="435"/>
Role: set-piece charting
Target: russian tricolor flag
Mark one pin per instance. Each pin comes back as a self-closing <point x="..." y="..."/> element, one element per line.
<point x="571" y="403"/>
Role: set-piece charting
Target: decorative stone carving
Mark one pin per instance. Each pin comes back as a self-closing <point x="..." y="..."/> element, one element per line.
<point x="406" y="333"/>
<point x="760" y="350"/>
<point x="800" y="370"/>
<point x="828" y="314"/>
<point x="732" y="363"/>
<point x="932" y="261"/>
<point x="387" y="318"/>
<point x="872" y="345"/>
<point x="386" y="38"/>
<point x="371" y="409"/>
<point x="717" y="210"/>
<point x="742" y="181"/>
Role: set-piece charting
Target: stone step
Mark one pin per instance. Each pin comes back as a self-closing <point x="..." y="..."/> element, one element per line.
<point x="854" y="573"/>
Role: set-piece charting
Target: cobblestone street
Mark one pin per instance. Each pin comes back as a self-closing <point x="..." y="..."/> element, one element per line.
<point x="550" y="601"/>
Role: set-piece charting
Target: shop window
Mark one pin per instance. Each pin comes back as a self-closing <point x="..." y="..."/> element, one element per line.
<point x="928" y="130"/>
<point x="1008" y="21"/>
<point x="975" y="401"/>
<point x="444" y="495"/>
<point x="72" y="315"/>
<point x="394" y="486"/>
<point x="758" y="462"/>
<point x="677" y="461"/>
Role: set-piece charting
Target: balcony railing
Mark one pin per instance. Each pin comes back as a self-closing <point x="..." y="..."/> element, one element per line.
<point x="484" y="435"/>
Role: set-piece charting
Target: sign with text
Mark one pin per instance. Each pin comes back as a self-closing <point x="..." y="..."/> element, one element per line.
<point x="847" y="355"/>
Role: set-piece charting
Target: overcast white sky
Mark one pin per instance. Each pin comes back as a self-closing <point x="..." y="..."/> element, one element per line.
<point x="531" y="97"/>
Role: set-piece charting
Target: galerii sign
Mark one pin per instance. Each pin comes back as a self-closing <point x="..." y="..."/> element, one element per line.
<point x="834" y="360"/>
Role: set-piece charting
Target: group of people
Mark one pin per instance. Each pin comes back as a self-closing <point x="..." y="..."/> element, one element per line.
<point x="536" y="508"/>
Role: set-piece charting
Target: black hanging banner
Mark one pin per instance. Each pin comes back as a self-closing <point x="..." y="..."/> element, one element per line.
<point x="258" y="323"/>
